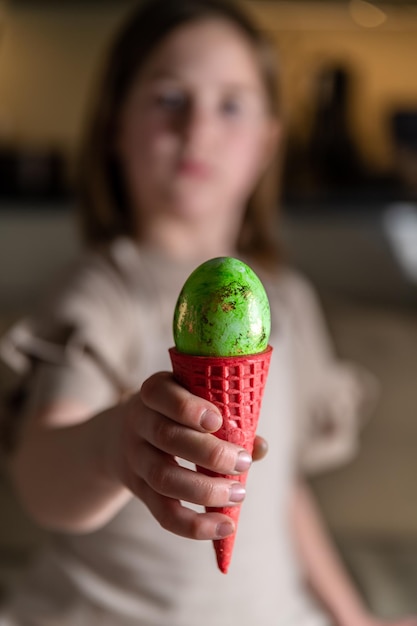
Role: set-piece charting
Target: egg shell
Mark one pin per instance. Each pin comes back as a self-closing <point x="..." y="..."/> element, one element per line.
<point x="222" y="310"/>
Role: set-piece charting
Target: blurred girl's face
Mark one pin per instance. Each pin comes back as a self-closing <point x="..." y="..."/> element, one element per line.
<point x="195" y="132"/>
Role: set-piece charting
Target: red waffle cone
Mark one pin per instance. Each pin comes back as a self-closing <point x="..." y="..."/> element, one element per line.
<point x="235" y="385"/>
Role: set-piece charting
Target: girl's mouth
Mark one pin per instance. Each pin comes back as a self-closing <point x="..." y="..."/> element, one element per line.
<point x="194" y="168"/>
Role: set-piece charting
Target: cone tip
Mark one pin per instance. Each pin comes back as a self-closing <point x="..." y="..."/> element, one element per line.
<point x="223" y="562"/>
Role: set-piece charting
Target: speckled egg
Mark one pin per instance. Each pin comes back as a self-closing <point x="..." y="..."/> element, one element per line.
<point x="222" y="310"/>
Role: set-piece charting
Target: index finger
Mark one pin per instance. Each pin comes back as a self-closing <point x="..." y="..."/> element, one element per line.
<point x="163" y="394"/>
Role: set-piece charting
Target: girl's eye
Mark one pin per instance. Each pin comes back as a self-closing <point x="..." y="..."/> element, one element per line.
<point x="171" y="101"/>
<point x="231" y="107"/>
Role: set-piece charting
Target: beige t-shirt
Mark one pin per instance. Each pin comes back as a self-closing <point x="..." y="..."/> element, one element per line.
<point x="107" y="327"/>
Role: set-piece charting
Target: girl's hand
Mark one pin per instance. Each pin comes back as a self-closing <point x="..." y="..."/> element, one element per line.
<point x="161" y="422"/>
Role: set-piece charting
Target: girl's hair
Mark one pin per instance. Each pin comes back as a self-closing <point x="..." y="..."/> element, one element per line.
<point x="104" y="208"/>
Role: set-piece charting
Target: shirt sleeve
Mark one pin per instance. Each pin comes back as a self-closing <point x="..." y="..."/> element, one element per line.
<point x="334" y="397"/>
<point x="74" y="346"/>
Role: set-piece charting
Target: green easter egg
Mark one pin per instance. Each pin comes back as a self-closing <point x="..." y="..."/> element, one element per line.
<point x="222" y="310"/>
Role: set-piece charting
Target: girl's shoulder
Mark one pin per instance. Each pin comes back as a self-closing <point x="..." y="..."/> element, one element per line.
<point x="289" y="289"/>
<point x="80" y="333"/>
<point x="294" y="287"/>
<point x="97" y="279"/>
<point x="86" y="308"/>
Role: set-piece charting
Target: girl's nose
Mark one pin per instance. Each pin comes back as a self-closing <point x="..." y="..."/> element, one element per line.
<point x="196" y="125"/>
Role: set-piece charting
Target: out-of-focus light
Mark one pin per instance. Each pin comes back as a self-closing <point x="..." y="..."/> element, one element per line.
<point x="400" y="224"/>
<point x="366" y="14"/>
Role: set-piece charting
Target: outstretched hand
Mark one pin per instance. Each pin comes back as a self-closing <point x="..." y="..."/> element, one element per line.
<point x="162" y="423"/>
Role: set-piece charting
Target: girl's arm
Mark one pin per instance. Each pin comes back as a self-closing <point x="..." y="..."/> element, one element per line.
<point x="323" y="567"/>
<point x="58" y="468"/>
<point x="74" y="471"/>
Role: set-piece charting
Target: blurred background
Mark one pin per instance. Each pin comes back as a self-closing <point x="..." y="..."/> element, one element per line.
<point x="348" y="214"/>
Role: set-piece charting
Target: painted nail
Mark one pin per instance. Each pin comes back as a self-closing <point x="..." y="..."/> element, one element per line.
<point x="224" y="529"/>
<point x="210" y="421"/>
<point x="237" y="493"/>
<point x="244" y="461"/>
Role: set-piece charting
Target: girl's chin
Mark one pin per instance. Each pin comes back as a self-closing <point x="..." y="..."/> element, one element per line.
<point x="191" y="205"/>
<point x="194" y="213"/>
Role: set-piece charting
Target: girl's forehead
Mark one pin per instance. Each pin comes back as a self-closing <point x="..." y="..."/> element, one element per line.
<point x="207" y="49"/>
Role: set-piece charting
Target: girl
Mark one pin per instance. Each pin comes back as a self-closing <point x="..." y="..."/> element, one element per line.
<point x="176" y="170"/>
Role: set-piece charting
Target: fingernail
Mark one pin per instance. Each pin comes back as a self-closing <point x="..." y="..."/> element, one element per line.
<point x="224" y="529"/>
<point x="237" y="493"/>
<point x="210" y="421"/>
<point x="244" y="461"/>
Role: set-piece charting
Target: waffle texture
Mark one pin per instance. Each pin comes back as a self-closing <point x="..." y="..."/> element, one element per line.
<point x="235" y="385"/>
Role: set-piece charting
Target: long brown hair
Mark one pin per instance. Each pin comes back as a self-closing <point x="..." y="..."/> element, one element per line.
<point x="104" y="208"/>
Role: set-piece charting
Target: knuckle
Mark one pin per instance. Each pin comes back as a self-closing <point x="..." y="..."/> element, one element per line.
<point x="218" y="456"/>
<point x="207" y="489"/>
<point x="195" y="530"/>
<point x="164" y="434"/>
<point x="190" y="409"/>
<point x="159" y="478"/>
<point x="148" y="388"/>
<point x="185" y="408"/>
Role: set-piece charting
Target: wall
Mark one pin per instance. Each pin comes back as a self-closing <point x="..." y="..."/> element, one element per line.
<point x="381" y="59"/>
<point x="49" y="56"/>
<point x="50" y="53"/>
<point x="35" y="246"/>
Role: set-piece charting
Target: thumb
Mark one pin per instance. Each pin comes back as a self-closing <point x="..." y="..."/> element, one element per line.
<point x="260" y="448"/>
